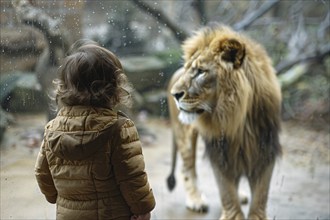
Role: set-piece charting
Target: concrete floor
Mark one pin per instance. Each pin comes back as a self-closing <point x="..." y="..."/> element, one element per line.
<point x="300" y="185"/>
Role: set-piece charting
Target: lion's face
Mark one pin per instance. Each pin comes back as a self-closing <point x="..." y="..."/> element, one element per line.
<point x="212" y="78"/>
<point x="195" y="91"/>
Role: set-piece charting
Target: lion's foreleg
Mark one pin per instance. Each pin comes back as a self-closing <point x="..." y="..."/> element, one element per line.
<point x="259" y="189"/>
<point x="187" y="148"/>
<point x="230" y="200"/>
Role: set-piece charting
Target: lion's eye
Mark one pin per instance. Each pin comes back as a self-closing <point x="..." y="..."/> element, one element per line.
<point x="199" y="72"/>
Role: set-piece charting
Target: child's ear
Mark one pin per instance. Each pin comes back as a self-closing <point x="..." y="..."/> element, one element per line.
<point x="231" y="50"/>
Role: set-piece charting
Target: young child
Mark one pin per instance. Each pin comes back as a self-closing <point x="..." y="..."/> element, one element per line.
<point x="90" y="161"/>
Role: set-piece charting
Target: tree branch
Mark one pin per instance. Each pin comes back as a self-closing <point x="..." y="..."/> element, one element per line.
<point x="293" y="75"/>
<point x="21" y="40"/>
<point x="22" y="49"/>
<point x="199" y="6"/>
<point x="251" y="17"/>
<point x="35" y="17"/>
<point x="316" y="55"/>
<point x="178" y="32"/>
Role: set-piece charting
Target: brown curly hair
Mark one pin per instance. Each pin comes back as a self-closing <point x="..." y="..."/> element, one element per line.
<point x="92" y="75"/>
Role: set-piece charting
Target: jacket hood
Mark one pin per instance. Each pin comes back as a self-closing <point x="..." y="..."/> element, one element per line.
<point x="78" y="132"/>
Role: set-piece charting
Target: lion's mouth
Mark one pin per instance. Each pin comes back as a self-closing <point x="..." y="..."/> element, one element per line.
<point x="197" y="111"/>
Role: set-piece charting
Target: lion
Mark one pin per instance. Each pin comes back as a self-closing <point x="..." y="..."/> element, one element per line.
<point x="226" y="92"/>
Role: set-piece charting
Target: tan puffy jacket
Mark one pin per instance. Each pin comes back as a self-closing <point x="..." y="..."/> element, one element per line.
<point x="91" y="165"/>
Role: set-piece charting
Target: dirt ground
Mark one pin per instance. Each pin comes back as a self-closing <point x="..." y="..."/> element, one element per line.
<point x="300" y="186"/>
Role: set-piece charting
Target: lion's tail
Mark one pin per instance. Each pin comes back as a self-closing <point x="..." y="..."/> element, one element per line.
<point x="171" y="178"/>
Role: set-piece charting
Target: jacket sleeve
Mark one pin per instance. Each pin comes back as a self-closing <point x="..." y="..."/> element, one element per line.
<point x="129" y="169"/>
<point x="44" y="177"/>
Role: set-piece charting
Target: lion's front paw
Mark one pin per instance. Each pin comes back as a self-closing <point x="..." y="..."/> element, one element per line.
<point x="259" y="216"/>
<point x="197" y="203"/>
<point x="232" y="215"/>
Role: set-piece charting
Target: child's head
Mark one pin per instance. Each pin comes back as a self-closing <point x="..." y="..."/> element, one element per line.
<point x="92" y="75"/>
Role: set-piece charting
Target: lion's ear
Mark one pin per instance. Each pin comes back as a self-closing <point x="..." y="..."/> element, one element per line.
<point x="232" y="51"/>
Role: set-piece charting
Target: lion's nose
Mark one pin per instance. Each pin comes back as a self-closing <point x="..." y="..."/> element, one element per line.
<point x="178" y="95"/>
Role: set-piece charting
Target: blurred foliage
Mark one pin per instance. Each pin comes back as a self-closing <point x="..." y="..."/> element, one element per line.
<point x="308" y="98"/>
<point x="289" y="29"/>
